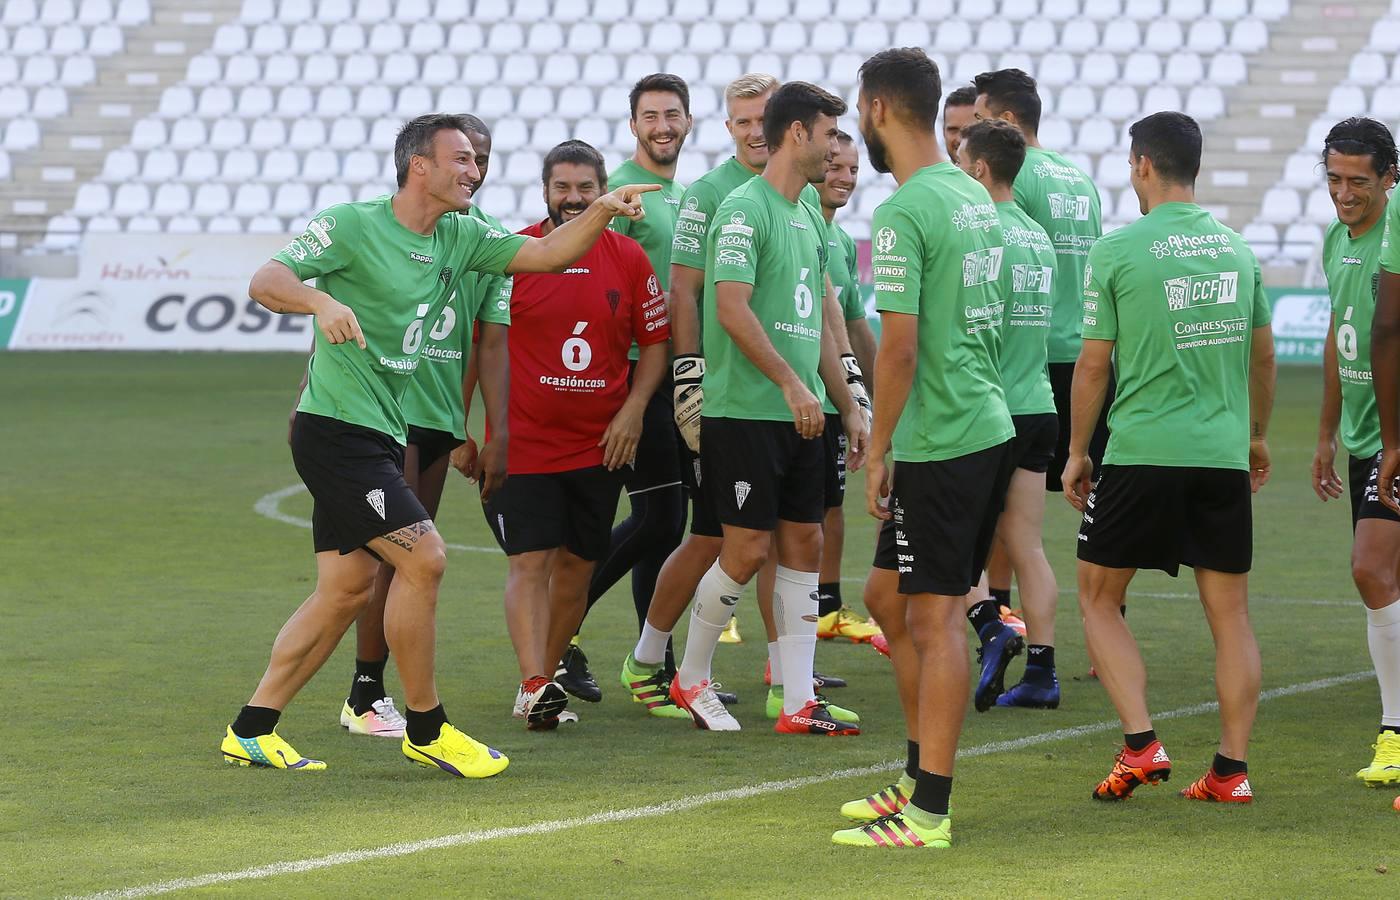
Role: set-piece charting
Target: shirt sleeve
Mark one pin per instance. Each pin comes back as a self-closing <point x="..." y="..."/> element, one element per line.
<point x="898" y="259"/>
<point x="735" y="246"/>
<point x="496" y="306"/>
<point x="1263" y="314"/>
<point x="1390" y="239"/>
<point x="852" y="303"/>
<point x="650" y="324"/>
<point x="327" y="245"/>
<point x="484" y="248"/>
<point x="1100" y="305"/>
<point x="693" y="227"/>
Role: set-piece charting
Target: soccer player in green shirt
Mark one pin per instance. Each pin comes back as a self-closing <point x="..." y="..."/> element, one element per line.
<point x="770" y="355"/>
<point x="1176" y="302"/>
<point x="1360" y="158"/>
<point x="939" y="404"/>
<point x="957" y="115"/>
<point x="993" y="153"/>
<point x="660" y="120"/>
<point x="385" y="269"/>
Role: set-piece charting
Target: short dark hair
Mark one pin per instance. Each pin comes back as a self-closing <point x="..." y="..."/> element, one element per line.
<point x="797" y="101"/>
<point x="660" y="81"/>
<point x="1172" y="140"/>
<point x="415" y="138"/>
<point x="904" y="77"/>
<point x="963" y="96"/>
<point x="1013" y="90"/>
<point x="997" y="143"/>
<point x="473" y="125"/>
<point x="844" y="138"/>
<point x="578" y="152"/>
<point x="1361" y="136"/>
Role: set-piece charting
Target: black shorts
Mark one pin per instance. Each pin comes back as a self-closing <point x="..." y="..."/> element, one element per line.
<point x="757" y="472"/>
<point x="834" y="442"/>
<point x="1362" y="474"/>
<point x="355" y="476"/>
<point x="945" y="516"/>
<point x="703" y="521"/>
<point x="659" y="457"/>
<point x="1164" y="517"/>
<point x="542" y="511"/>
<point x="1033" y="447"/>
<point x="432" y="445"/>
<point x="1061" y="380"/>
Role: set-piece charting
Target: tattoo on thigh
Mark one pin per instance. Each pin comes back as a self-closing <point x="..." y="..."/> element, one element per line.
<point x="408" y="537"/>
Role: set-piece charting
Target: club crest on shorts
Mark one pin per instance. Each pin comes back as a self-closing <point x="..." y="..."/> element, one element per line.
<point x="741" y="492"/>
<point x="376" y="500"/>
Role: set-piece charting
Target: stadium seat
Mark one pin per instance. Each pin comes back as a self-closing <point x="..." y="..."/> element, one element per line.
<point x="92" y="199"/>
<point x="1057" y="69"/>
<point x="242" y="69"/>
<point x="1318" y="208"/>
<point x="1100" y="69"/>
<point x="1077" y="102"/>
<point x="328" y="195"/>
<point x="1251" y="36"/>
<point x="1143" y="10"/>
<point x="360" y="68"/>
<point x="1056" y="133"/>
<point x="519" y="71"/>
<point x="481" y="69"/>
<point x="171" y="199"/>
<point x="1160" y="97"/>
<point x="133" y="12"/>
<point x="106" y="40"/>
<point x="221" y="225"/>
<point x="159" y="166"/>
<point x="1120" y="102"/>
<point x="95" y="12"/>
<point x="454" y="98"/>
<point x="1301" y="240"/>
<point x="465" y="37"/>
<point x="131" y="199"/>
<point x="103" y="225"/>
<point x="307" y="38"/>
<point x="1269" y="10"/>
<point x="1142" y="69"/>
<point x="386" y="37"/>
<point x="383" y="132"/>
<point x="1227" y="69"/>
<point x="1385" y="103"/>
<point x="19" y="12"/>
<point x="1262" y="239"/>
<point x="399" y="69"/>
<point x="1280" y="206"/>
<point x="1111" y="172"/>
<point x="1205" y="102"/>
<point x="252" y="199"/>
<point x="67" y="40"/>
<point x="954" y="36"/>
<point x="63" y="233"/>
<point x="1122" y="36"/>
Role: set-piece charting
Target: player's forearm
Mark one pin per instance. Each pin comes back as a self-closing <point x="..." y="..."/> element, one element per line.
<point x="1263" y="372"/>
<point x="895" y="370"/>
<point x="1385" y="358"/>
<point x="277" y="288"/>
<point x="833" y="374"/>
<point x="1330" y="417"/>
<point x="684" y="309"/>
<point x="863" y="346"/>
<point x="563" y="245"/>
<point x="493" y="364"/>
<point x="1090" y="386"/>
<point x="470" y="375"/>
<point x="743" y="327"/>
<point x="646" y="378"/>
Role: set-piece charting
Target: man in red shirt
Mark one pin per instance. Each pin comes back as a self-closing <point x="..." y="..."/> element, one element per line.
<point x="574" y="423"/>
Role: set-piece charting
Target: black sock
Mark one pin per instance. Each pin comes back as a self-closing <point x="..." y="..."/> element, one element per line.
<point x="1138" y="742"/>
<point x="255" y="721"/>
<point x="1040" y="655"/>
<point x="1002" y="596"/>
<point x="1123" y="610"/>
<point x="368" y="685"/>
<point x="911" y="766"/>
<point x="828" y="597"/>
<point x="983" y="614"/>
<point x="424" y="727"/>
<point x="1393" y="729"/>
<point x="931" y="792"/>
<point x="669" y="662"/>
<point x="1224" y="766"/>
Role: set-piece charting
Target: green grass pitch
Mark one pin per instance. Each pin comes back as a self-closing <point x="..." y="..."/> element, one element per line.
<point x="141" y="591"/>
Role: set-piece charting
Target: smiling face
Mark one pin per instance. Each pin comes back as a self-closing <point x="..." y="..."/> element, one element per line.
<point x="955" y="119"/>
<point x="450" y="171"/>
<point x="745" y="124"/>
<point x="571" y="188"/>
<point x="1357" y="192"/>
<point x="661" y="126"/>
<point x="840" y="179"/>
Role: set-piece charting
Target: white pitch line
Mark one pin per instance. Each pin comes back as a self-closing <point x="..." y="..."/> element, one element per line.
<point x="683" y="804"/>
<point x="269" y="505"/>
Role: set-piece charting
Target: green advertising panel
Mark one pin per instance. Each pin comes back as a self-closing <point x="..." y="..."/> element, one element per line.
<point x="12" y="293"/>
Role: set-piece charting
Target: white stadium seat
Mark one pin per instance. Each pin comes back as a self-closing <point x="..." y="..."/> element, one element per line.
<point x="92" y="199"/>
<point x="131" y="199"/>
<point x="106" y="40"/>
<point x="1280" y="206"/>
<point x="171" y="199"/>
<point x="1251" y="36"/>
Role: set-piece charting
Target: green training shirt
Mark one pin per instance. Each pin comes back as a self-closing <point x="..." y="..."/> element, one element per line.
<point x="938" y="254"/>
<point x="655" y="230"/>
<point x="1181" y="295"/>
<point x="759" y="237"/>
<point x="396" y="282"/>
<point x="1028" y="275"/>
<point x="434" y="395"/>
<point x="1353" y="275"/>
<point x="1063" y="199"/>
<point x="1390" y="240"/>
<point x="698" y="206"/>
<point x="844" y="271"/>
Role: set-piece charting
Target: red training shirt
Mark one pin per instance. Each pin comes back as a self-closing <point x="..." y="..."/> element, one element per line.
<point x="569" y="337"/>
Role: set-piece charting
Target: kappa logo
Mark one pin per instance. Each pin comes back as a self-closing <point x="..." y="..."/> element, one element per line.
<point x="420" y="258"/>
<point x="885" y="239"/>
<point x="741" y="492"/>
<point x="376" y="501"/>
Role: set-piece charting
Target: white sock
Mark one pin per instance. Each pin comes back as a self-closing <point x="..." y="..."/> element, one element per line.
<point x="795" y="612"/>
<point x="775" y="664"/>
<point x="651" y="646"/>
<point x="1383" y="636"/>
<point x="715" y="599"/>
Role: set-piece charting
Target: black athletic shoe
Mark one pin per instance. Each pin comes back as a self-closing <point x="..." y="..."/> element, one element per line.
<point x="573" y="676"/>
<point x="1000" y="643"/>
<point x="828" y="681"/>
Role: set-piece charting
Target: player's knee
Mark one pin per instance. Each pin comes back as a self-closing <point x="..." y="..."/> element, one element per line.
<point x="426" y="564"/>
<point x="1375" y="579"/>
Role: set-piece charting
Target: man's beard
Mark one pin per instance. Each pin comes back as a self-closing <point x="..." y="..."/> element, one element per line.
<point x="556" y="213"/>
